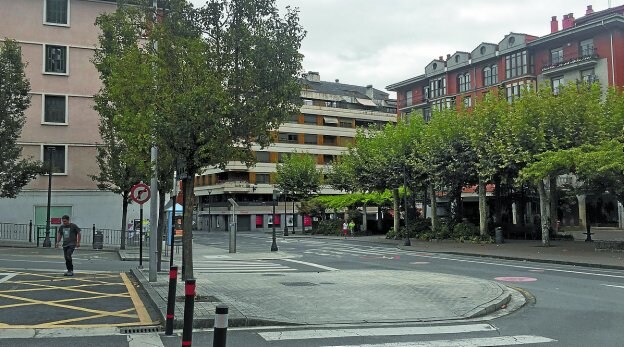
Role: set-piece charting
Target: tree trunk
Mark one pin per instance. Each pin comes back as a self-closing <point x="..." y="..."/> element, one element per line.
<point x="124" y="219"/>
<point x="544" y="211"/>
<point x="434" y="207"/>
<point x="483" y="212"/>
<point x="364" y="221"/>
<point x="187" y="219"/>
<point x="554" y="202"/>
<point x="162" y="227"/>
<point x="379" y="219"/>
<point x="395" y="198"/>
<point x="498" y="207"/>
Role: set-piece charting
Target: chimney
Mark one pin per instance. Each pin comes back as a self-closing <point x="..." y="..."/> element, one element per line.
<point x="313" y="76"/>
<point x="441" y="58"/>
<point x="554" y="24"/>
<point x="448" y="56"/>
<point x="370" y="91"/>
<point x="589" y="10"/>
<point x="337" y="80"/>
<point x="568" y="21"/>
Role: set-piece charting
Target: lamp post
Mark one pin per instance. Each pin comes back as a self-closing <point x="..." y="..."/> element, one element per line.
<point x="407" y="239"/>
<point x="46" y="241"/>
<point x="209" y="214"/>
<point x="274" y="244"/>
<point x="285" y="219"/>
<point x="293" y="213"/>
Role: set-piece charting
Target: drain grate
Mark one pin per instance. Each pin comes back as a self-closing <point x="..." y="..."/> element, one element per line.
<point x="299" y="284"/>
<point x="199" y="298"/>
<point x="140" y="330"/>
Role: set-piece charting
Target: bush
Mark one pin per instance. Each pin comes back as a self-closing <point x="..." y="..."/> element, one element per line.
<point x="329" y="227"/>
<point x="465" y="231"/>
<point x="391" y="234"/>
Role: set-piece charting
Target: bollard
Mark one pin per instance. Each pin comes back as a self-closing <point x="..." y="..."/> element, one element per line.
<point x="173" y="277"/>
<point x="30" y="231"/>
<point x="220" y="326"/>
<point x="189" y="305"/>
<point x="588" y="233"/>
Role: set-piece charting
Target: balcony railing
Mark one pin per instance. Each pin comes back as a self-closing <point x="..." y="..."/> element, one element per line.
<point x="587" y="56"/>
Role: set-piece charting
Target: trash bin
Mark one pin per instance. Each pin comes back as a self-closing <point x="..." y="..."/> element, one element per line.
<point x="499" y="235"/>
<point x="98" y="240"/>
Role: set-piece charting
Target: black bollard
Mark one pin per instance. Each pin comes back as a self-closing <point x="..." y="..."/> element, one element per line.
<point x="189" y="305"/>
<point x="220" y="326"/>
<point x="588" y="239"/>
<point x="173" y="277"/>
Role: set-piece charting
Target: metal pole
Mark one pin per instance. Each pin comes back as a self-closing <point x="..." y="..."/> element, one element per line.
<point x="220" y="326"/>
<point x="189" y="307"/>
<point x="407" y="239"/>
<point x="173" y="277"/>
<point x="293" y="214"/>
<point x="46" y="241"/>
<point x="141" y="237"/>
<point x="30" y="231"/>
<point x="153" y="245"/>
<point x="174" y="194"/>
<point x="285" y="219"/>
<point x="274" y="244"/>
<point x="209" y="214"/>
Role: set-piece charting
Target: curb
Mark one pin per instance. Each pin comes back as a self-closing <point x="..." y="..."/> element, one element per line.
<point x="543" y="261"/>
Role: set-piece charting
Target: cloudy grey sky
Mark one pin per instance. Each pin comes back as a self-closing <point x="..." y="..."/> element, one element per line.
<point x="382" y="42"/>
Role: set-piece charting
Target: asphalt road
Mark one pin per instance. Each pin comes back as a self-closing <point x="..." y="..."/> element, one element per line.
<point x="567" y="306"/>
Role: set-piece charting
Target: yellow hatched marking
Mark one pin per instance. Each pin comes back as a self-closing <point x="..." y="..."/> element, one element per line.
<point x="138" y="304"/>
<point x="57" y="323"/>
<point x="52" y="287"/>
<point x="5" y="326"/>
<point x="57" y="301"/>
<point x="73" y="289"/>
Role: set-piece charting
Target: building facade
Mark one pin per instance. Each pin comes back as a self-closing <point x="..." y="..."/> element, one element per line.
<point x="590" y="48"/>
<point x="330" y="114"/>
<point x="58" y="40"/>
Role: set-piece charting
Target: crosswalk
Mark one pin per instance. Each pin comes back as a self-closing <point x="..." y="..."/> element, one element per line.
<point x="239" y="266"/>
<point x="419" y="336"/>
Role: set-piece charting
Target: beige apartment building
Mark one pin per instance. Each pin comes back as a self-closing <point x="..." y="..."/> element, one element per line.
<point x="58" y="39"/>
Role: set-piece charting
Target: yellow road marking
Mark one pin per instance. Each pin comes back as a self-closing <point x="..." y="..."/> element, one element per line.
<point x="71" y="289"/>
<point x="56" y="323"/>
<point x="52" y="287"/>
<point x="5" y="326"/>
<point x="56" y="301"/>
<point x="138" y="304"/>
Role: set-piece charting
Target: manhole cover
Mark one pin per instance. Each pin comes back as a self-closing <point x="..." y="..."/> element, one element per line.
<point x="199" y="298"/>
<point x="299" y="284"/>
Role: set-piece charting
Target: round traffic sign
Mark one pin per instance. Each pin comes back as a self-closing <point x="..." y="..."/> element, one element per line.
<point x="140" y="193"/>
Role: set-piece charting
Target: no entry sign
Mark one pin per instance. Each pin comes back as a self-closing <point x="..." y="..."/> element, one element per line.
<point x="140" y="193"/>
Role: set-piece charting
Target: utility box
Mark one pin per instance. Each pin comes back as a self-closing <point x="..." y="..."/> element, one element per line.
<point x="98" y="240"/>
<point x="498" y="234"/>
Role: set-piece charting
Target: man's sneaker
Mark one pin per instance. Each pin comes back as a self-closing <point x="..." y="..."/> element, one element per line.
<point x="68" y="273"/>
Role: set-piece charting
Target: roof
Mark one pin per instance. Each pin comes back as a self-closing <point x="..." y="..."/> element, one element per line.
<point x="337" y="88"/>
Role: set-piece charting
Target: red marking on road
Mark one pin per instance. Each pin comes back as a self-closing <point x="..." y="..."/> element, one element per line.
<point x="420" y="262"/>
<point x="516" y="279"/>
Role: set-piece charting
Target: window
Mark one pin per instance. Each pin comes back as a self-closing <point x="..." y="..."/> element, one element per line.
<point x="517" y="64"/>
<point x="328" y="158"/>
<point x="437" y="87"/>
<point x="513" y="92"/>
<point x="55" y="59"/>
<point x="346" y="123"/>
<point x="309" y="119"/>
<point x="464" y="82"/>
<point x="426" y="93"/>
<point x="427" y="114"/>
<point x="263" y="157"/>
<point x="263" y="178"/>
<point x="588" y="76"/>
<point x="557" y="84"/>
<point x="57" y="12"/>
<point x="408" y="98"/>
<point x="467" y="101"/>
<point x="556" y="56"/>
<point x="307" y="102"/>
<point x="293" y="118"/>
<point x="330" y="140"/>
<point x="587" y="48"/>
<point x="310" y="139"/>
<point x="57" y="155"/>
<point x="55" y="109"/>
<point x="330" y="121"/>
<point x="490" y="75"/>
<point x="287" y="138"/>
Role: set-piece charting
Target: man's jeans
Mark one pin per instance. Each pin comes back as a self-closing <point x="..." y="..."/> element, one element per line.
<point x="67" y="252"/>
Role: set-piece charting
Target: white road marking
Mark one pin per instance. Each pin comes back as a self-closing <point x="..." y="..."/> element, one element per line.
<point x="225" y="266"/>
<point x="311" y="264"/>
<point x="333" y="333"/>
<point x="614" y="286"/>
<point x="144" y="340"/>
<point x="473" y="342"/>
<point x="7" y="276"/>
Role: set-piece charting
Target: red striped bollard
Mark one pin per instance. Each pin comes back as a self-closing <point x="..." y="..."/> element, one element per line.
<point x="173" y="279"/>
<point x="189" y="305"/>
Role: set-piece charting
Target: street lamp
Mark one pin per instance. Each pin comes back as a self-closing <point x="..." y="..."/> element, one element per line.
<point x="209" y="214"/>
<point x="285" y="221"/>
<point x="46" y="241"/>
<point x="407" y="239"/>
<point x="275" y="197"/>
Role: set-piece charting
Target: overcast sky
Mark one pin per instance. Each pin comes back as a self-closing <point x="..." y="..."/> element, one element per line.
<point x="381" y="42"/>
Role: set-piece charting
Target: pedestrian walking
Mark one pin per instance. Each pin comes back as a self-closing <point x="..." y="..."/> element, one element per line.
<point x="69" y="233"/>
<point x="345" y="229"/>
<point x="352" y="228"/>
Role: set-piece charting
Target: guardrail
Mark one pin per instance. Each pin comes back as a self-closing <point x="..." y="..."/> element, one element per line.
<point x="16" y="232"/>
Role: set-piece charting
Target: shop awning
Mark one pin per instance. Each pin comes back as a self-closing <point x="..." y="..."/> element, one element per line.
<point x="366" y="102"/>
<point x="330" y="120"/>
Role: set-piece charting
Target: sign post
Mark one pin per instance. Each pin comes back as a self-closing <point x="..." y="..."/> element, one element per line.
<point x="140" y="193"/>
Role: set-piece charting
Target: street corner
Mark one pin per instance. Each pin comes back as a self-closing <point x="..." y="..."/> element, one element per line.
<point x="40" y="300"/>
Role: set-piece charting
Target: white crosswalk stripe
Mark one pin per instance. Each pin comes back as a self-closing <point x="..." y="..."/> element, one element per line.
<point x="423" y="332"/>
<point x="236" y="266"/>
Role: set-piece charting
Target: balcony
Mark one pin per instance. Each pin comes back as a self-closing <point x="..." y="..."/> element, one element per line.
<point x="581" y="60"/>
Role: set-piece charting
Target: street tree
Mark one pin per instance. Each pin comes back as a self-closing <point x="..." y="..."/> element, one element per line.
<point x="298" y="175"/>
<point x="226" y="80"/>
<point x="15" y="171"/>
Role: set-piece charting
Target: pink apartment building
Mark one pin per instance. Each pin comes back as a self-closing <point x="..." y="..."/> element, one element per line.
<point x="58" y="40"/>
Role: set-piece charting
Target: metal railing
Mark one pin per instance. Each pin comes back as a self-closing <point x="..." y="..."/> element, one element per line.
<point x="16" y="232"/>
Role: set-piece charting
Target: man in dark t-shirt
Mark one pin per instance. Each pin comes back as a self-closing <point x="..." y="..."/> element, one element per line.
<point x="69" y="233"/>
